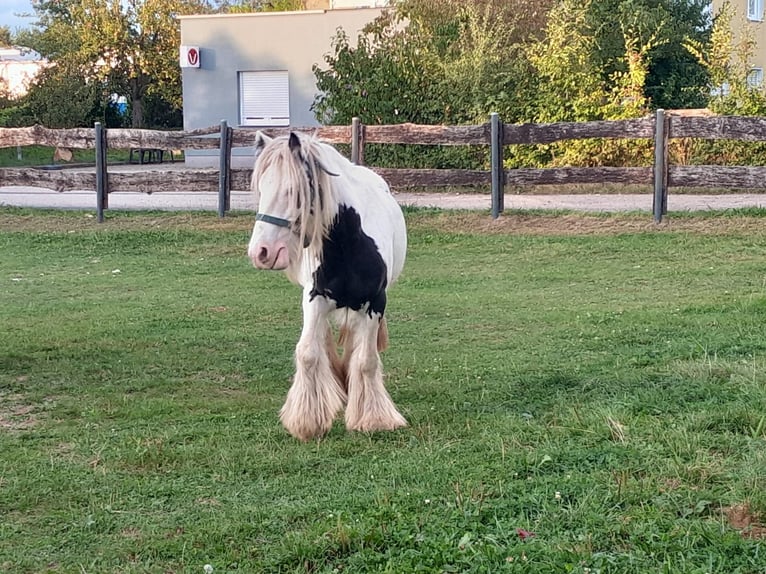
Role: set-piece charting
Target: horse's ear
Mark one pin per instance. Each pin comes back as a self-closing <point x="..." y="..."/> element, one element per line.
<point x="294" y="143"/>
<point x="261" y="141"/>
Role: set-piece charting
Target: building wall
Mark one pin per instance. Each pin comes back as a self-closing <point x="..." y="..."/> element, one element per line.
<point x="358" y="3"/>
<point x="741" y="23"/>
<point x="17" y="70"/>
<point x="231" y="43"/>
<point x="335" y="4"/>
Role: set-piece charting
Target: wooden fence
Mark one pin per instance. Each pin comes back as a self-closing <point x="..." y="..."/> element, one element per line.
<point x="660" y="128"/>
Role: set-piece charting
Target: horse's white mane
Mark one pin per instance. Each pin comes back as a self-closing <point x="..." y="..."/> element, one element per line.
<point x="311" y="195"/>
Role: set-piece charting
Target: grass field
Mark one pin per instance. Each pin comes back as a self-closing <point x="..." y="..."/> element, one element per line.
<point x="41" y="155"/>
<point x="585" y="394"/>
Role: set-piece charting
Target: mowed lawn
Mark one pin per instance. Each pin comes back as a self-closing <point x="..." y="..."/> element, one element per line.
<point x="585" y="394"/>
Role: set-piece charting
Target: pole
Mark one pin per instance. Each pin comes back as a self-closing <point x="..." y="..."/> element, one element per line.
<point x="102" y="194"/>
<point x="498" y="175"/>
<point x="224" y="170"/>
<point x="660" y="201"/>
<point x="356" y="140"/>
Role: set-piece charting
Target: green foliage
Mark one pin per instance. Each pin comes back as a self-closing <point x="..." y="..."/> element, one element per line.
<point x="160" y="114"/>
<point x="44" y="155"/>
<point x="605" y="391"/>
<point x="15" y="115"/>
<point x="59" y="98"/>
<point x="249" y="6"/>
<point x="427" y="62"/>
<point x="572" y="87"/>
<point x="129" y="48"/>
<point x="53" y="36"/>
<point x="674" y="79"/>
<point x="6" y="37"/>
<point x="456" y="62"/>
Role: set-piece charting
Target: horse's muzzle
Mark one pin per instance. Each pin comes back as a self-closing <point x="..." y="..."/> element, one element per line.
<point x="269" y="256"/>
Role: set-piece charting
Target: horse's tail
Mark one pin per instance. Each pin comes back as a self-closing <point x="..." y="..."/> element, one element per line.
<point x="337" y="364"/>
<point x="382" y="334"/>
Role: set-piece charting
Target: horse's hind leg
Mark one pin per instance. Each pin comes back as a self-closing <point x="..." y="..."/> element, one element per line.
<point x="369" y="407"/>
<point x="316" y="394"/>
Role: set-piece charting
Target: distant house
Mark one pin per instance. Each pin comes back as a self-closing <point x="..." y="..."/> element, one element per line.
<point x="18" y="67"/>
<point x="748" y="16"/>
<point x="255" y="70"/>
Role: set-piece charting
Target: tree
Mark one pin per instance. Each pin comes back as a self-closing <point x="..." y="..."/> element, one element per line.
<point x="6" y="37"/>
<point x="58" y="98"/>
<point x="246" y="6"/>
<point x="430" y="61"/>
<point x="127" y="46"/>
<point x="674" y="79"/>
<point x="573" y="85"/>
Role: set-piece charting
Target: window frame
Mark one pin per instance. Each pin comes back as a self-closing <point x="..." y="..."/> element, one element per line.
<point x="755" y="10"/>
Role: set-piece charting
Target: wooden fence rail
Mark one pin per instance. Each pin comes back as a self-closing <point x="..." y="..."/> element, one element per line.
<point x="659" y="128"/>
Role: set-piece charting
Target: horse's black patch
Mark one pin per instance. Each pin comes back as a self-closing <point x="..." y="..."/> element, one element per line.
<point x="352" y="272"/>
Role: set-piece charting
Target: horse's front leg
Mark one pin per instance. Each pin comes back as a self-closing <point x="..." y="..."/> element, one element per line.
<point x="316" y="394"/>
<point x="370" y="407"/>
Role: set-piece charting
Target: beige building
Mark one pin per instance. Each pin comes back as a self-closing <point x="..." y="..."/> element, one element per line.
<point x="748" y="18"/>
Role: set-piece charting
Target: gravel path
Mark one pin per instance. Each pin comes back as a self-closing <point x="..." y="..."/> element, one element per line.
<point x="42" y="198"/>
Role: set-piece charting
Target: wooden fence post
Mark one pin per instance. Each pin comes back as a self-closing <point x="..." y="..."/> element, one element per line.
<point x="102" y="179"/>
<point x="224" y="170"/>
<point x="357" y="141"/>
<point x="660" y="201"/>
<point x="498" y="172"/>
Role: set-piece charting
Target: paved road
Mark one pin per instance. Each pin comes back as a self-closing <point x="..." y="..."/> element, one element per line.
<point x="42" y="198"/>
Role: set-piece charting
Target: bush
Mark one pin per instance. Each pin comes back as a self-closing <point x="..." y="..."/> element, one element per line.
<point x="58" y="98"/>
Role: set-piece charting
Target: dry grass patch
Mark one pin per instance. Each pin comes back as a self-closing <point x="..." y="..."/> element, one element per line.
<point x="15" y="414"/>
<point x="66" y="222"/>
<point x="749" y="524"/>
<point x="580" y="224"/>
<point x="461" y="222"/>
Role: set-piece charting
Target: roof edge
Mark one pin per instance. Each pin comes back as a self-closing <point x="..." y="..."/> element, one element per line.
<point x="271" y="14"/>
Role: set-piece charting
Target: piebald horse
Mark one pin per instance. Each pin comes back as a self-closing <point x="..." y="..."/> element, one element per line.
<point x="335" y="229"/>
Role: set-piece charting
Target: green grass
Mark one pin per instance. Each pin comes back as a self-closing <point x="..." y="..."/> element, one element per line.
<point x="42" y="155"/>
<point x="604" y="389"/>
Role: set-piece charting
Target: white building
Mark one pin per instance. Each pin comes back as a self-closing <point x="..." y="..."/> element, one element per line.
<point x="18" y="67"/>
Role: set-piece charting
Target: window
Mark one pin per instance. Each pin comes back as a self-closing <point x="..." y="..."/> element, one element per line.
<point x="264" y="99"/>
<point x="755" y="10"/>
<point x="755" y="79"/>
<point x="723" y="90"/>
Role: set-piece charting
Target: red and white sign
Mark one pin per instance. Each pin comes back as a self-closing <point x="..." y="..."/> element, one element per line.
<point x="189" y="57"/>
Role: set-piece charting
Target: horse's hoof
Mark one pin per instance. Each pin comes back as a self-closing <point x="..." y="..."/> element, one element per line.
<point x="373" y="423"/>
<point x="306" y="433"/>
